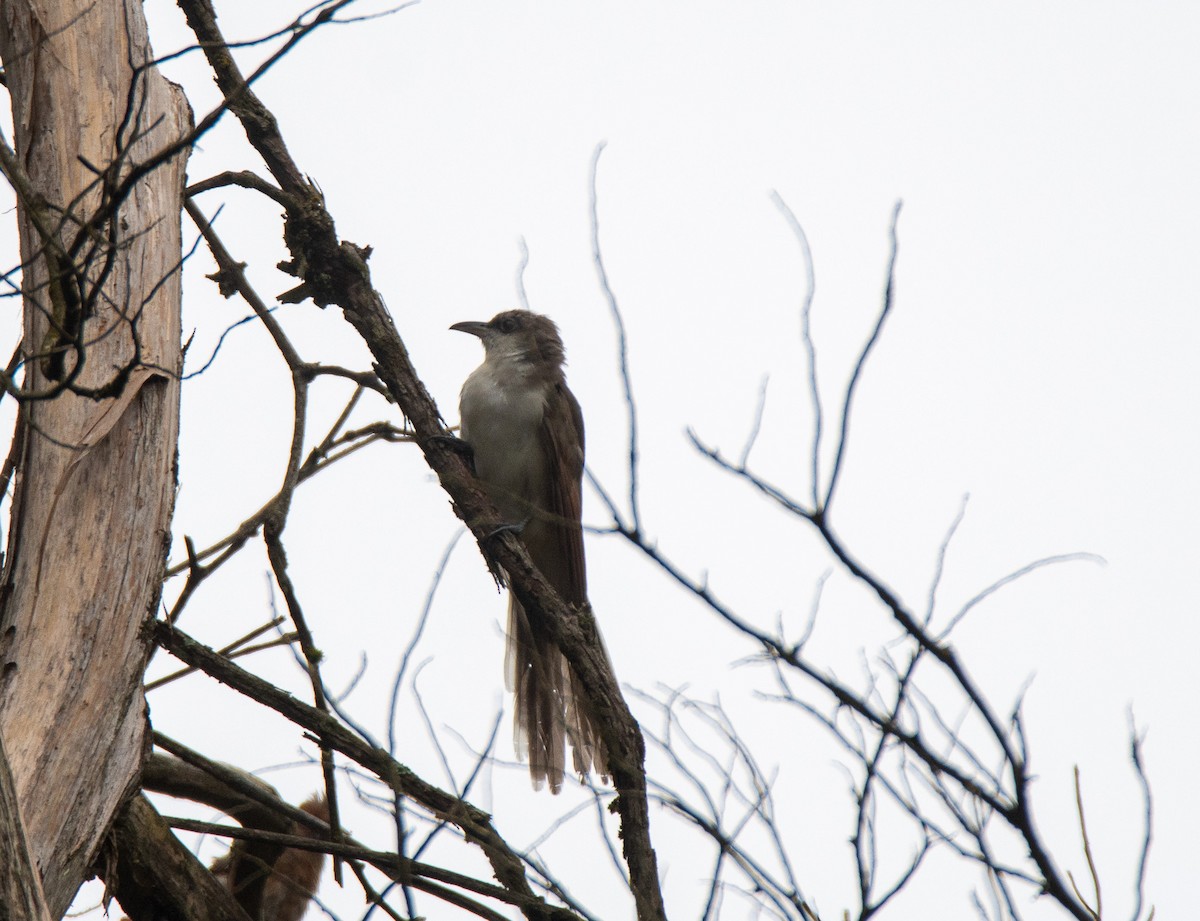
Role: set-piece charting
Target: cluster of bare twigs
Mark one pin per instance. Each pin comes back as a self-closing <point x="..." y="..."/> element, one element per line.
<point x="957" y="782"/>
<point x="78" y="243"/>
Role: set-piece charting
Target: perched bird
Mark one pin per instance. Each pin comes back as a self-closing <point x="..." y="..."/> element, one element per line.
<point x="525" y="430"/>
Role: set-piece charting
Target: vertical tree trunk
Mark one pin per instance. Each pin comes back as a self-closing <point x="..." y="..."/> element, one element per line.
<point x="95" y="488"/>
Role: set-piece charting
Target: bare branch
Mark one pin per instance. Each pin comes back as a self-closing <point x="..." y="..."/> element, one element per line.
<point x="475" y="824"/>
<point x="622" y="342"/>
<point x="810" y="348"/>
<point x="851" y="387"/>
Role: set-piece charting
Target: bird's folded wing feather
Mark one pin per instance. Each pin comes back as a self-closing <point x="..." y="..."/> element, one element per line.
<point x="562" y="441"/>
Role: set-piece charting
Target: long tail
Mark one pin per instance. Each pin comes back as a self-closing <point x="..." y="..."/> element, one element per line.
<point x="551" y="705"/>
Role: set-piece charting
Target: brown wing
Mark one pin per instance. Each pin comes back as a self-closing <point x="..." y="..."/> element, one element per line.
<point x="560" y="555"/>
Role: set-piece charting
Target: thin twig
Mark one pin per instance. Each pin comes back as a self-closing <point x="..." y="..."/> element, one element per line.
<point x="622" y="341"/>
<point x="806" y="338"/>
<point x="852" y="386"/>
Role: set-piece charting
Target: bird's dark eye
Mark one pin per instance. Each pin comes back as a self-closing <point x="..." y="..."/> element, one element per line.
<point x="508" y="324"/>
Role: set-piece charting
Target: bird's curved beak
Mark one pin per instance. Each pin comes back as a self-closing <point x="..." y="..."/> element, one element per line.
<point x="472" y="327"/>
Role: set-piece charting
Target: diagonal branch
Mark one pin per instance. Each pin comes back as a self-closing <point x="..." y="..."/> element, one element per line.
<point x="335" y="272"/>
<point x="475" y="824"/>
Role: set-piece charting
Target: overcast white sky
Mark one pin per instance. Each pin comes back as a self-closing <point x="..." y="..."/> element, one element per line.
<point x="1041" y="358"/>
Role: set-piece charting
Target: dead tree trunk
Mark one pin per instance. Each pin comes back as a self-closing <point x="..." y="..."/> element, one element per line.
<point x="96" y="470"/>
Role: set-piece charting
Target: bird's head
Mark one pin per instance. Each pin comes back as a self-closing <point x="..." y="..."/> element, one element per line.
<point x="518" y="335"/>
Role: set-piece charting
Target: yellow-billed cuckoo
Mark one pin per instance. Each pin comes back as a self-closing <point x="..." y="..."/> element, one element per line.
<point x="525" y="430"/>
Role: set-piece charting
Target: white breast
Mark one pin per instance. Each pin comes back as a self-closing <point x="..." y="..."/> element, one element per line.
<point x="501" y="420"/>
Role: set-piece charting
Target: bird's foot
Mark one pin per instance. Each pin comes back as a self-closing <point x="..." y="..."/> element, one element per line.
<point x="456" y="444"/>
<point x="515" y="528"/>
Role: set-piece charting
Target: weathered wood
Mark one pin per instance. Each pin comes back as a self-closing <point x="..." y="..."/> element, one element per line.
<point x="157" y="877"/>
<point x="21" y="897"/>
<point x="95" y="487"/>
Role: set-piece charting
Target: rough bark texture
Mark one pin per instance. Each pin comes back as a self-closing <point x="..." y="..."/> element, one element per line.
<point x="21" y="897"/>
<point x="156" y="877"/>
<point x="95" y="488"/>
